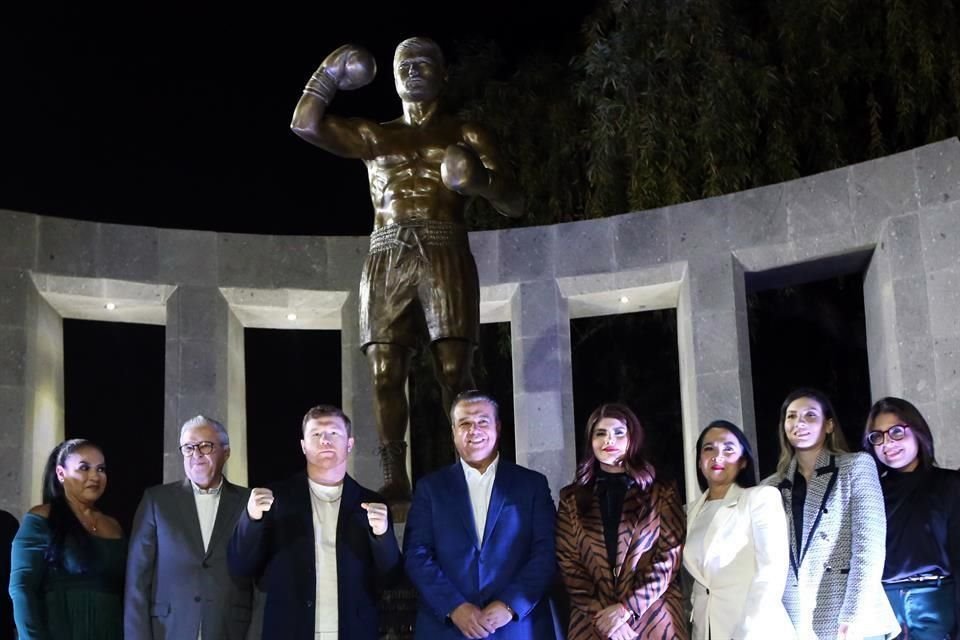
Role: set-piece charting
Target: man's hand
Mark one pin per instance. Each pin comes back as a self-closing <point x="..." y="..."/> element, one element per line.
<point x="350" y="66"/>
<point x="463" y="171"/>
<point x="376" y="516"/>
<point x="497" y="614"/>
<point x="609" y="619"/>
<point x="470" y="620"/>
<point x="260" y="500"/>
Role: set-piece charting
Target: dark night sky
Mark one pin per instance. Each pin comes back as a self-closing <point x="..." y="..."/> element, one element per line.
<point x="176" y="114"/>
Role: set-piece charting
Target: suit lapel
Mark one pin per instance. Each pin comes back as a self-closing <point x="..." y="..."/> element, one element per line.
<point x="188" y="514"/>
<point x="819" y="490"/>
<point x="460" y="498"/>
<point x="720" y="519"/>
<point x="632" y="514"/>
<point x="230" y="499"/>
<point x="500" y="483"/>
<point x="692" y="512"/>
<point x="592" y="527"/>
<point x="299" y="509"/>
<point x="349" y="503"/>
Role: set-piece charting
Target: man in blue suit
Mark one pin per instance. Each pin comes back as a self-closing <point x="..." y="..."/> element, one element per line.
<point x="479" y="539"/>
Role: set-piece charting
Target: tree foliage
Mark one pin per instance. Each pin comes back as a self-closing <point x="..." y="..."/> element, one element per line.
<point x="667" y="101"/>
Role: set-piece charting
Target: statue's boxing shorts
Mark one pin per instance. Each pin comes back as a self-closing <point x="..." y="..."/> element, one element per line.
<point x="419" y="274"/>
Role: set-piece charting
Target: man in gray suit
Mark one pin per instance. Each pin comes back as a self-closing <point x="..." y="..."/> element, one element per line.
<point x="178" y="586"/>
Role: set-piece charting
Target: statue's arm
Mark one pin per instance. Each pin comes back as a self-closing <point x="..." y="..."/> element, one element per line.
<point x="474" y="168"/>
<point x="349" y="67"/>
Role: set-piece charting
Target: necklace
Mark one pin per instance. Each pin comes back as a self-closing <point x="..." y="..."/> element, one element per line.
<point x="90" y="525"/>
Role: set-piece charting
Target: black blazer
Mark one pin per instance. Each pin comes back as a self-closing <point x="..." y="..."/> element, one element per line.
<point x="278" y="551"/>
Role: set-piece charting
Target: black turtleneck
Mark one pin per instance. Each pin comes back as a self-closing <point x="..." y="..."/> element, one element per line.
<point x="923" y="523"/>
<point x="610" y="489"/>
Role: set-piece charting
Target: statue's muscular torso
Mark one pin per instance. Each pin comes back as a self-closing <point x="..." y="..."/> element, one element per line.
<point x="404" y="172"/>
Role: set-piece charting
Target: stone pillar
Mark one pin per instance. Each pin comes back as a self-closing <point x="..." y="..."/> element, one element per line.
<point x="357" y="394"/>
<point x="204" y="374"/>
<point x="543" y="382"/>
<point x="911" y="299"/>
<point x="941" y="246"/>
<point x="714" y="347"/>
<point x="31" y="388"/>
<point x="31" y="368"/>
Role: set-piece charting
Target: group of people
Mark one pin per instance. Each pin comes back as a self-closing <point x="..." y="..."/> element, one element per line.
<point x="826" y="547"/>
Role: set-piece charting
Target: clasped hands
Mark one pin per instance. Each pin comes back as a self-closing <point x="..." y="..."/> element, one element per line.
<point x="611" y="622"/>
<point x="474" y="622"/>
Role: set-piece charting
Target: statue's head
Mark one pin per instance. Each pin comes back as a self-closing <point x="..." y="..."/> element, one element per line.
<point x="419" y="70"/>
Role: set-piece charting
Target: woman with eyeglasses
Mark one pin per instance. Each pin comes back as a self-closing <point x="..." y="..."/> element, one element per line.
<point x="835" y="524"/>
<point x="736" y="546"/>
<point x="68" y="558"/>
<point x="923" y="521"/>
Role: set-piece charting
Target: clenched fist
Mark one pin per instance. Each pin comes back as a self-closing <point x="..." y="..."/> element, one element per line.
<point x="260" y="500"/>
<point x="376" y="516"/>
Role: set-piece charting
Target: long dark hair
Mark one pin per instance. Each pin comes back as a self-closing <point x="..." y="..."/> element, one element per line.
<point x="835" y="441"/>
<point x="747" y="477"/>
<point x="635" y="463"/>
<point x="911" y="416"/>
<point x="65" y="527"/>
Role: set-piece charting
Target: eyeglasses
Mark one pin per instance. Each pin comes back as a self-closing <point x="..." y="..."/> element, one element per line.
<point x="896" y="432"/>
<point x="204" y="448"/>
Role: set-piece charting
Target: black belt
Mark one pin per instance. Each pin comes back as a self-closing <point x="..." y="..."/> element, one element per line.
<point x="920" y="581"/>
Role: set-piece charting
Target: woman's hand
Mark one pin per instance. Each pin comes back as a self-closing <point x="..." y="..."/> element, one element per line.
<point x="624" y="632"/>
<point x="609" y="619"/>
<point x="843" y="630"/>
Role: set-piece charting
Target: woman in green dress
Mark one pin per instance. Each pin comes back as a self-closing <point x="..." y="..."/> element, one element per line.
<point x="68" y="559"/>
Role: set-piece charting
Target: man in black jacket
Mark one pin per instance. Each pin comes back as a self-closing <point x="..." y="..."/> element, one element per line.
<point x="318" y="544"/>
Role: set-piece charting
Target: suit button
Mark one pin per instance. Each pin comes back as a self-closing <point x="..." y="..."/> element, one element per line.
<point x="197" y="598"/>
<point x="204" y="565"/>
<point x="708" y="591"/>
<point x="309" y="604"/>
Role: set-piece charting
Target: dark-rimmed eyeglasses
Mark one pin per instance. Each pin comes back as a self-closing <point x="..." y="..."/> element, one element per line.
<point x="896" y="432"/>
<point x="204" y="448"/>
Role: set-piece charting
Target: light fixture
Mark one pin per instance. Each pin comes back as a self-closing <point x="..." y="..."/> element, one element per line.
<point x="109" y="306"/>
<point x="624" y="299"/>
<point x="291" y="317"/>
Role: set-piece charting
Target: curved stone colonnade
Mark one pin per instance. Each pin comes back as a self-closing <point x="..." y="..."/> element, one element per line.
<point x="898" y="216"/>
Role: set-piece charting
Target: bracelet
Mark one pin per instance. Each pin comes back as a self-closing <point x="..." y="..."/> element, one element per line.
<point x="321" y="86"/>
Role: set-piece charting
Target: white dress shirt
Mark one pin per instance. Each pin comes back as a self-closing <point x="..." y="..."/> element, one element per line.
<point x="207" y="501"/>
<point x="325" y="501"/>
<point x="480" y="487"/>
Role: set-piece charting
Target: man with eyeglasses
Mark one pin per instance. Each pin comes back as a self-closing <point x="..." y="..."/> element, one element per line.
<point x="178" y="585"/>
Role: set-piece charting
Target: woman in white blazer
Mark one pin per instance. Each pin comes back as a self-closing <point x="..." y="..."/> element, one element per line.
<point x="736" y="546"/>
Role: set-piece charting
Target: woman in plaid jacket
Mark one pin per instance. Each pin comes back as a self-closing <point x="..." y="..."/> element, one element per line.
<point x="836" y="527"/>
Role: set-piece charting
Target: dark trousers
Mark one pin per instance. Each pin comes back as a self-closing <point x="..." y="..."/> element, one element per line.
<point x="925" y="610"/>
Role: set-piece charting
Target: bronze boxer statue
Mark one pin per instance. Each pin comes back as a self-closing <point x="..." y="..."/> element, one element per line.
<point x="422" y="169"/>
